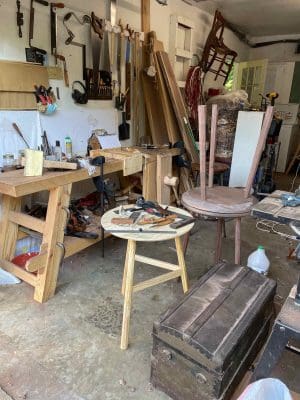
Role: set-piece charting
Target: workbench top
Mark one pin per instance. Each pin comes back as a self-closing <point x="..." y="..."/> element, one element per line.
<point x="271" y="208"/>
<point x="15" y="184"/>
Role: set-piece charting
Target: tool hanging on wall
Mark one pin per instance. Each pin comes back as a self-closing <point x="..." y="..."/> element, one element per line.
<point x="96" y="39"/>
<point x="53" y="24"/>
<point x="20" y="18"/>
<point x="33" y="53"/>
<point x="86" y="19"/>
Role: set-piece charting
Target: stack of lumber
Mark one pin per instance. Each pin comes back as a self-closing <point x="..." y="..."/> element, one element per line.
<point x="17" y="81"/>
<point x="165" y="107"/>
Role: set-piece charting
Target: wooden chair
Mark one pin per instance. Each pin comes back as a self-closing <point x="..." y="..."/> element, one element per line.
<point x="217" y="57"/>
<point x="223" y="202"/>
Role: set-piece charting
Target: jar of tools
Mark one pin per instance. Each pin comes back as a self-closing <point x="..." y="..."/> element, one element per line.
<point x="8" y="162"/>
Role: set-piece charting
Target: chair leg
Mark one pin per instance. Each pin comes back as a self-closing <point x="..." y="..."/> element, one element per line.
<point x="181" y="263"/>
<point x="131" y="247"/>
<point x="220" y="222"/>
<point x="125" y="272"/>
<point x="237" y="257"/>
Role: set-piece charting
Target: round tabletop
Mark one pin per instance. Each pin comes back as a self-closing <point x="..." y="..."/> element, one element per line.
<point x="139" y="232"/>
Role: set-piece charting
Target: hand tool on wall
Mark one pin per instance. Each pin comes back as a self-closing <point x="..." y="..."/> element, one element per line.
<point x="66" y="75"/>
<point x="35" y="52"/>
<point x="86" y="19"/>
<point x="53" y="24"/>
<point x="96" y="38"/>
<point x="15" y="126"/>
<point x="20" y="18"/>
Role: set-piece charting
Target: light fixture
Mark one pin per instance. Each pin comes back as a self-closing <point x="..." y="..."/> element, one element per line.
<point x="162" y="2"/>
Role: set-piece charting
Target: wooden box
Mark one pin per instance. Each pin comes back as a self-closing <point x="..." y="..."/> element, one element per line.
<point x="204" y="344"/>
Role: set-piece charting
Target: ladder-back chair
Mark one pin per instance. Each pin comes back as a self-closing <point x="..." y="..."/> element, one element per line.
<point x="223" y="202"/>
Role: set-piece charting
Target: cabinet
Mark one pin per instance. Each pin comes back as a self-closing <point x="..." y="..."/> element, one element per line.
<point x="279" y="78"/>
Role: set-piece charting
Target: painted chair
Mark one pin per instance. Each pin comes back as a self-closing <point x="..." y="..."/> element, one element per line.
<point x="223" y="202"/>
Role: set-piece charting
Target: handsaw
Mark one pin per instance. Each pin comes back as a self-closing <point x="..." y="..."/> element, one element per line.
<point x="31" y="24"/>
<point x="96" y="38"/>
<point x="105" y="64"/>
<point x="53" y="24"/>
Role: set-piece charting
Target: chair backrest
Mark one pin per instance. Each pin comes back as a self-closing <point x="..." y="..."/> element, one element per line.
<point x="202" y="112"/>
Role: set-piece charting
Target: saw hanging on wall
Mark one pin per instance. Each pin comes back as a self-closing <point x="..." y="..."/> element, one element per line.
<point x="33" y="53"/>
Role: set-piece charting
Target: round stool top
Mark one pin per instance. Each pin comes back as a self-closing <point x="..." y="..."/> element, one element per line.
<point x="139" y="232"/>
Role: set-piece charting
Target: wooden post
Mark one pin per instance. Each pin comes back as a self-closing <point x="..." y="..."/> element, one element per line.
<point x="237" y="255"/>
<point x="130" y="256"/>
<point x="213" y="131"/>
<point x="54" y="233"/>
<point x="145" y="10"/>
<point x="202" y="140"/>
<point x="9" y="229"/>
<point x="163" y="169"/>
<point x="220" y="222"/>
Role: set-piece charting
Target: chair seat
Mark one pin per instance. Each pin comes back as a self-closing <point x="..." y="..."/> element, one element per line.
<point x="221" y="201"/>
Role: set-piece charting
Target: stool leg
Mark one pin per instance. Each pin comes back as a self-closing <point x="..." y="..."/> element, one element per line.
<point x="186" y="240"/>
<point x="131" y="246"/>
<point x="181" y="262"/>
<point x="125" y="272"/>
<point x="237" y="256"/>
<point x="271" y="354"/>
<point x="220" y="222"/>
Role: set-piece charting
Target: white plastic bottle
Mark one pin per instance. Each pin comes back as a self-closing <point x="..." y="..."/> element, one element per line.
<point x="68" y="145"/>
<point x="258" y="261"/>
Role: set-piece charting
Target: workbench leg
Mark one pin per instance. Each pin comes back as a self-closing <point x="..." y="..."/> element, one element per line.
<point x="218" y="251"/>
<point x="54" y="233"/>
<point x="131" y="247"/>
<point x="181" y="262"/>
<point x="8" y="230"/>
<point x="237" y="253"/>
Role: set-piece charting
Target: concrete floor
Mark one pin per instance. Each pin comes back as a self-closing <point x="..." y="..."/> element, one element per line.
<point x="69" y="349"/>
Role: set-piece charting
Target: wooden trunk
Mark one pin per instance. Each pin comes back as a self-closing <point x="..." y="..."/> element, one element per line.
<point x="204" y="344"/>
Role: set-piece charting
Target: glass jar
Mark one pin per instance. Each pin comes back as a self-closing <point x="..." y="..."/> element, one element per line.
<point x="8" y="162"/>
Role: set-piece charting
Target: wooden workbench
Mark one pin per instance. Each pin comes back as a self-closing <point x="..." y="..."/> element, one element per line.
<point x="41" y="271"/>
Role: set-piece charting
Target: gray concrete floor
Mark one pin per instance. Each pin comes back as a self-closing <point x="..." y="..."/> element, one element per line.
<point x="69" y="349"/>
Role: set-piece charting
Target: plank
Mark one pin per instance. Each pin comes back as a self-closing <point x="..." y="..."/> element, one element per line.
<point x="28" y="221"/>
<point x="164" y="168"/>
<point x="21" y="77"/>
<point x="17" y="101"/>
<point x="149" y="179"/>
<point x="154" y="110"/>
<point x="178" y="104"/>
<point x="55" y="164"/>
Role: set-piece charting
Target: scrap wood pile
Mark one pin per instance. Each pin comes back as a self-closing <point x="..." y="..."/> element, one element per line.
<point x="165" y="107"/>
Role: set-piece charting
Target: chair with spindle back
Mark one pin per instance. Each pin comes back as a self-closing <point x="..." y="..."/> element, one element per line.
<point x="223" y="202"/>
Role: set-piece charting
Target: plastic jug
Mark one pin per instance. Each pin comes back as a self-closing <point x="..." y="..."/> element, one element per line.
<point x="259" y="261"/>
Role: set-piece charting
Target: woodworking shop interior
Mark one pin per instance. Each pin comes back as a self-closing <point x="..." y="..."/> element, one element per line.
<point x="150" y="200"/>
